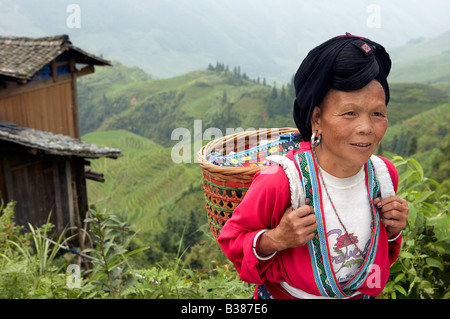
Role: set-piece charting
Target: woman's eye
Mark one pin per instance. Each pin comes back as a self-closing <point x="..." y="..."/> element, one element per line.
<point x="379" y="114"/>
<point x="349" y="113"/>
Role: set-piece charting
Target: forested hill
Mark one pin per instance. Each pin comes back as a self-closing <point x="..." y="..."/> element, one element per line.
<point x="126" y="98"/>
<point x="121" y="97"/>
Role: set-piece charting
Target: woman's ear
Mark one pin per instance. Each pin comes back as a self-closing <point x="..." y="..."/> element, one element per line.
<point x="315" y="119"/>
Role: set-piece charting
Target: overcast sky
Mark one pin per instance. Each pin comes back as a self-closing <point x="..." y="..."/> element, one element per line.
<point x="264" y="37"/>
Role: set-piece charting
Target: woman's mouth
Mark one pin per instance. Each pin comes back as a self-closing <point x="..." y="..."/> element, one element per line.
<point x="361" y="146"/>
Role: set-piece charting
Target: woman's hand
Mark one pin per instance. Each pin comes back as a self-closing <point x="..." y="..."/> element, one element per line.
<point x="394" y="211"/>
<point x="295" y="229"/>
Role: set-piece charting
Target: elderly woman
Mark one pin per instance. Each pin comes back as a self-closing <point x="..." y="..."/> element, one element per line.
<point x="341" y="242"/>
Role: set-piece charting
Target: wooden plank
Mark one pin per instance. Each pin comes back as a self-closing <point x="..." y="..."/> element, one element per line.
<point x="49" y="109"/>
<point x="95" y="176"/>
<point x="54" y="110"/>
<point x="45" y="115"/>
<point x="4" y="109"/>
<point x="54" y="70"/>
<point x="81" y="187"/>
<point x="62" y="63"/>
<point x="23" y="207"/>
<point x="35" y="185"/>
<point x="17" y="181"/>
<point x="66" y="102"/>
<point x="70" y="199"/>
<point x="9" y="111"/>
<point x="86" y="70"/>
<point x="80" y="229"/>
<point x="35" y="85"/>
<point x="24" y="115"/>
<point x="49" y="189"/>
<point x="58" y="198"/>
<point x="3" y="194"/>
<point x="75" y="114"/>
<point x="10" y="194"/>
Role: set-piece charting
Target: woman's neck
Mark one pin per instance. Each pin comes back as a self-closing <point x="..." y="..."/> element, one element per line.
<point x="340" y="169"/>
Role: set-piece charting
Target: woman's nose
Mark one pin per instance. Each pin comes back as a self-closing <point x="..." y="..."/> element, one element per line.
<point x="365" y="126"/>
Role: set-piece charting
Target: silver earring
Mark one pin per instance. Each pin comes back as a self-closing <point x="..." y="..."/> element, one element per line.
<point x="315" y="140"/>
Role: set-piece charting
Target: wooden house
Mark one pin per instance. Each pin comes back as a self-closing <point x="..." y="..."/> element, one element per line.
<point x="43" y="162"/>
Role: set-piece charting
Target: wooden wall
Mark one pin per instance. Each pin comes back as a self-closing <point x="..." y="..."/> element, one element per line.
<point x="45" y="105"/>
<point x="41" y="185"/>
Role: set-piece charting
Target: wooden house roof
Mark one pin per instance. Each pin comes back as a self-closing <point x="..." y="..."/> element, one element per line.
<point x="22" y="57"/>
<point x="53" y="144"/>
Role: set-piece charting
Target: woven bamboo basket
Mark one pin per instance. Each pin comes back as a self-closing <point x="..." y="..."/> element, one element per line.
<point x="224" y="186"/>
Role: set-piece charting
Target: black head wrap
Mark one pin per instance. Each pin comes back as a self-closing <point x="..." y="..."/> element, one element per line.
<point x="343" y="63"/>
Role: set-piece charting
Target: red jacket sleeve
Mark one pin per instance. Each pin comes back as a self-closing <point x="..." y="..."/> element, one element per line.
<point x="262" y="208"/>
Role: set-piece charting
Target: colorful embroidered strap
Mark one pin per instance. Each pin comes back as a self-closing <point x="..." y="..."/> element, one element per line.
<point x="318" y="247"/>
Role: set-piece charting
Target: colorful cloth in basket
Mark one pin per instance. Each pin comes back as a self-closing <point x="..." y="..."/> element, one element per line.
<point x="257" y="155"/>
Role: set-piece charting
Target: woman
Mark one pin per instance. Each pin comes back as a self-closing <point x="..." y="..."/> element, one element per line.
<point x="342" y="241"/>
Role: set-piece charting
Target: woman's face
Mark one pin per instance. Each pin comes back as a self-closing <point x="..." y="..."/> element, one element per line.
<point x="352" y="124"/>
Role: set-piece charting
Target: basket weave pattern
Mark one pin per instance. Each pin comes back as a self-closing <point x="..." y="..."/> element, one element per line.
<point x="225" y="187"/>
<point x="221" y="200"/>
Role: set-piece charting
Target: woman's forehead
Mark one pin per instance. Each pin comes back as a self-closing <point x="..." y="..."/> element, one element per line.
<point x="372" y="94"/>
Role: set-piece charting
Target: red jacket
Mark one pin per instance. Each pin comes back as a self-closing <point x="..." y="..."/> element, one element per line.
<point x="262" y="208"/>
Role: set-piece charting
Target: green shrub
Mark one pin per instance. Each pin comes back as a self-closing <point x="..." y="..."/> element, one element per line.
<point x="28" y="267"/>
<point x="421" y="270"/>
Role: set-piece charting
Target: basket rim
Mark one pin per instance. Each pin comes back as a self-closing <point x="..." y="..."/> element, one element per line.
<point x="206" y="149"/>
<point x="234" y="174"/>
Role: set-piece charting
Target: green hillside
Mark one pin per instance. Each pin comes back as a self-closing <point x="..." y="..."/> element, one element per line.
<point x="425" y="137"/>
<point x="154" y="108"/>
<point x="107" y="92"/>
<point x="125" y="108"/>
<point x="165" y="198"/>
<point x="144" y="180"/>
<point x="422" y="60"/>
<point x="119" y="97"/>
<point x="409" y="99"/>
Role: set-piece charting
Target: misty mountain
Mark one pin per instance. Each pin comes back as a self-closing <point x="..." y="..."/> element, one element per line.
<point x="423" y="60"/>
<point x="266" y="38"/>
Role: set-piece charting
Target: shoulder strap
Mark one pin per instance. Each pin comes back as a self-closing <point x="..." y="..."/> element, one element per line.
<point x="383" y="177"/>
<point x="298" y="196"/>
